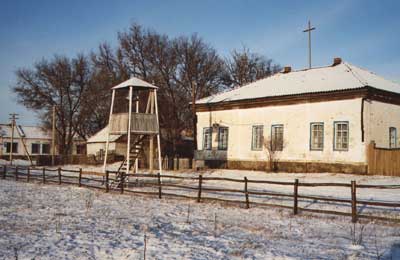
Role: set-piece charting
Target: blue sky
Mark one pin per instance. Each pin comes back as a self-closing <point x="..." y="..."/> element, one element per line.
<point x="362" y="32"/>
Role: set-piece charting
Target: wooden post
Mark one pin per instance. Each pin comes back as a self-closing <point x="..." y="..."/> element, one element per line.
<point x="80" y="177"/>
<point x="107" y="185"/>
<point x="59" y="175"/>
<point x="159" y="185"/>
<point x="295" y="196"/>
<point x="122" y="182"/>
<point x="53" y="136"/>
<point x="200" y="183"/>
<point x="16" y="173"/>
<point x="145" y="247"/>
<point x="28" y="176"/>
<point x="4" y="171"/>
<point x="246" y="193"/>
<point x="108" y="130"/>
<point x="44" y="175"/>
<point x="353" y="202"/>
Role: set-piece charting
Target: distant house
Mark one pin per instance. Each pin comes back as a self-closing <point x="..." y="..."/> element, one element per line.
<point x="96" y="145"/>
<point x="35" y="139"/>
<point x="320" y="119"/>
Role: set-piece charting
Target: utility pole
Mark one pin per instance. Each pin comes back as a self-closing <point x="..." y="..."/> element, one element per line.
<point x="309" y="29"/>
<point x="13" y="117"/>
<point x="53" y="136"/>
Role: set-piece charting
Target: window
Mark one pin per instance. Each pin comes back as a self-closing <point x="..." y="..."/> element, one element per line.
<point x="35" y="148"/>
<point x="45" y="148"/>
<point x="223" y="138"/>
<point x="8" y="147"/>
<point x="257" y="138"/>
<point x="316" y="136"/>
<point x="207" y="135"/>
<point x="341" y="138"/>
<point x="392" y="137"/>
<point x="277" y="138"/>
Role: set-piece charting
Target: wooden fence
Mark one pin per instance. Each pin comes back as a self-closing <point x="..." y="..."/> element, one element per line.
<point x="158" y="184"/>
<point x="383" y="161"/>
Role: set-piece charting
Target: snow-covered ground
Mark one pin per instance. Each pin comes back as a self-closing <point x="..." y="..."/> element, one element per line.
<point x="66" y="222"/>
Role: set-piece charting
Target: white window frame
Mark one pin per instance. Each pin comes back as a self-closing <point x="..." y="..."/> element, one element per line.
<point x="257" y="138"/>
<point x="15" y="151"/>
<point x="341" y="136"/>
<point x="207" y="138"/>
<point x="275" y="146"/>
<point x="319" y="145"/>
<point x="223" y="138"/>
<point x="40" y="148"/>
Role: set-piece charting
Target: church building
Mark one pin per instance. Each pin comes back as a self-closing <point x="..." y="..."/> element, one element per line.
<point x="321" y="119"/>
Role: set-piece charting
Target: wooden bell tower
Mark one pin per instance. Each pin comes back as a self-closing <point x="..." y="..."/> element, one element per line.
<point x="131" y="119"/>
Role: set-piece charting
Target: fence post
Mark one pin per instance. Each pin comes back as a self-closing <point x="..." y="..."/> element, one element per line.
<point x="200" y="183"/>
<point x="4" y="171"/>
<point x="107" y="176"/>
<point x="16" y="173"/>
<point x="122" y="182"/>
<point x="59" y="175"/>
<point x="159" y="186"/>
<point x="353" y="202"/>
<point x="246" y="193"/>
<point x="44" y="175"/>
<point x="80" y="177"/>
<point x="295" y="196"/>
<point x="28" y="175"/>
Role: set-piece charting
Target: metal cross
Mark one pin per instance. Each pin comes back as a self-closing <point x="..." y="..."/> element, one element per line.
<point x="309" y="29"/>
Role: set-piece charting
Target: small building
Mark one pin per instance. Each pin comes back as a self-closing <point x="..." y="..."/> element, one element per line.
<point x="313" y="120"/>
<point x="96" y="144"/>
<point x="36" y="140"/>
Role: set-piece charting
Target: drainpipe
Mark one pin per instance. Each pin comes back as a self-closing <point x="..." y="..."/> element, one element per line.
<point x="362" y="119"/>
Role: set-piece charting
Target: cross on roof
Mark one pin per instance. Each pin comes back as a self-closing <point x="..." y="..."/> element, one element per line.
<point x="309" y="29"/>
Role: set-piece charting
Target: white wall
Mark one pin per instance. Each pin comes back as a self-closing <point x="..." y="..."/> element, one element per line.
<point x="94" y="148"/>
<point x="296" y="120"/>
<point x="379" y="118"/>
<point x="21" y="150"/>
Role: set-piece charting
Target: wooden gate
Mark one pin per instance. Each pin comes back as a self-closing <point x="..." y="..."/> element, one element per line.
<point x="383" y="161"/>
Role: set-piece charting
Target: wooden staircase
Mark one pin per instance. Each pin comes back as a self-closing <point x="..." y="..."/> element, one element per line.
<point x="135" y="152"/>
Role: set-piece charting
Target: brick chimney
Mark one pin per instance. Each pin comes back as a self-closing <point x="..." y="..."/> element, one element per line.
<point x="336" y="61"/>
<point x="287" y="69"/>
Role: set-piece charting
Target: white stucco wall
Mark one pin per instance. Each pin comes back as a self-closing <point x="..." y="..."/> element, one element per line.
<point x="296" y="120"/>
<point x="94" y="148"/>
<point x="21" y="150"/>
<point x="379" y="118"/>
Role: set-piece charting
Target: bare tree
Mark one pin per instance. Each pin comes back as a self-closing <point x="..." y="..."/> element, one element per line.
<point x="185" y="69"/>
<point x="199" y="72"/>
<point x="60" y="82"/>
<point x="272" y="148"/>
<point x="244" y="67"/>
<point x="108" y="70"/>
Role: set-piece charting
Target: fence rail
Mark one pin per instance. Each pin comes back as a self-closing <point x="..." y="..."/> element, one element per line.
<point x="196" y="189"/>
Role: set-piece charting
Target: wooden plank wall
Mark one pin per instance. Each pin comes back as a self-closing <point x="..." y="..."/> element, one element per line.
<point x="383" y="161"/>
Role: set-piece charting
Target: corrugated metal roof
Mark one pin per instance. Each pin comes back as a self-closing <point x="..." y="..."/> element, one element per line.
<point x="33" y="132"/>
<point x="331" y="78"/>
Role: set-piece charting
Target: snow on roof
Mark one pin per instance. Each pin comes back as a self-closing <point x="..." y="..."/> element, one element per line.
<point x="135" y="82"/>
<point x="101" y="136"/>
<point x="30" y="132"/>
<point x="331" y="78"/>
